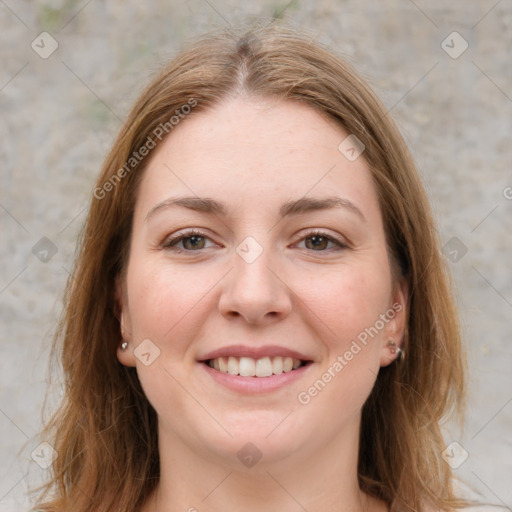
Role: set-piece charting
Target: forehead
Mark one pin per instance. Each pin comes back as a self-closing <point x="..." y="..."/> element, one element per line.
<point x="255" y="151"/>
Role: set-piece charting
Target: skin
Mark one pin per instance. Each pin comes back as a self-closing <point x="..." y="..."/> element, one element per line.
<point x="253" y="156"/>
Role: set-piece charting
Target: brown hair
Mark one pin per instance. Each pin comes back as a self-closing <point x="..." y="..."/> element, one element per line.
<point x="105" y="430"/>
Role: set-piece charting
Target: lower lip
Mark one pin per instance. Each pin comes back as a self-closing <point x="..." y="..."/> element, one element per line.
<point x="252" y="385"/>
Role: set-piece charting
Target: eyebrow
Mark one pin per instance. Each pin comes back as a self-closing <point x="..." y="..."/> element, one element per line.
<point x="199" y="204"/>
<point x="295" y="207"/>
<point x="309" y="204"/>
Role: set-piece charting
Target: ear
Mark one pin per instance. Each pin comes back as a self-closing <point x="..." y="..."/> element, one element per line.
<point x="126" y="356"/>
<point x="396" y="328"/>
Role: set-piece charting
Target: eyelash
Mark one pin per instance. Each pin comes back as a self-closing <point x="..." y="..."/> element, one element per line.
<point x="171" y="242"/>
<point x="323" y="234"/>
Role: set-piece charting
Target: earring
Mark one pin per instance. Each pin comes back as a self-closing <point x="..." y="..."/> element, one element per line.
<point x="395" y="349"/>
<point x="124" y="345"/>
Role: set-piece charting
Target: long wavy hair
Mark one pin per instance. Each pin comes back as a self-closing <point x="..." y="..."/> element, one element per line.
<point x="105" y="430"/>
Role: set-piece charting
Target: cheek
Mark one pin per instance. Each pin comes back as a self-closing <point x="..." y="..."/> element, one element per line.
<point x="169" y="306"/>
<point x="163" y="299"/>
<point x="347" y="302"/>
<point x="343" y="309"/>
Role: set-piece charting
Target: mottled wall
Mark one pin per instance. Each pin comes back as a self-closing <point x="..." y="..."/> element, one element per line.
<point x="60" y="112"/>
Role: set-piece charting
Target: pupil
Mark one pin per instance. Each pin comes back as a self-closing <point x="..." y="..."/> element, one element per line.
<point x="318" y="242"/>
<point x="194" y="242"/>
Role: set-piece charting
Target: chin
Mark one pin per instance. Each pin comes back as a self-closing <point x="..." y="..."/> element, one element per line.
<point x="257" y="438"/>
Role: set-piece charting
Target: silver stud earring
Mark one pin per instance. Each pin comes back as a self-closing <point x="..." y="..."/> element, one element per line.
<point x="395" y="349"/>
<point x="124" y="345"/>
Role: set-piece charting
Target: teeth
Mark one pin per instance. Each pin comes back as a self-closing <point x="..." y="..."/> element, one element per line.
<point x="249" y="367"/>
<point x="277" y="365"/>
<point x="246" y="367"/>
<point x="233" y="366"/>
<point x="223" y="365"/>
<point x="263" y="367"/>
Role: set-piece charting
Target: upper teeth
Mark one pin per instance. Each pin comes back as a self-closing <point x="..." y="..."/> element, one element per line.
<point x="249" y="367"/>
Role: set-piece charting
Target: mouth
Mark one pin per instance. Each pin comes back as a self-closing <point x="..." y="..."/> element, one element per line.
<point x="258" y="368"/>
<point x="253" y="369"/>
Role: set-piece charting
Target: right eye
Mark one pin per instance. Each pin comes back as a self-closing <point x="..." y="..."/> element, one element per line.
<point x="188" y="241"/>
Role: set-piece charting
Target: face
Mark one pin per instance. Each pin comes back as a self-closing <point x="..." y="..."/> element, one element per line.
<point x="258" y="300"/>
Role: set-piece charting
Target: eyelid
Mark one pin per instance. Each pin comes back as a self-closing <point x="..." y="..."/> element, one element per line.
<point x="342" y="242"/>
<point x="176" y="237"/>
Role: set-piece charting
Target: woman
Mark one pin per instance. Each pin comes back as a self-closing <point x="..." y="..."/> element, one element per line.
<point x="259" y="318"/>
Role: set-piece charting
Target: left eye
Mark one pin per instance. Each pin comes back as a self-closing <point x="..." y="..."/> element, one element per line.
<point x="321" y="242"/>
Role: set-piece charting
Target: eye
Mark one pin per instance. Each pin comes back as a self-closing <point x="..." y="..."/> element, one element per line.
<point x="189" y="241"/>
<point x="320" y="241"/>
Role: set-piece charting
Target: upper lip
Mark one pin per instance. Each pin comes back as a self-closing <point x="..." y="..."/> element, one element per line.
<point x="254" y="352"/>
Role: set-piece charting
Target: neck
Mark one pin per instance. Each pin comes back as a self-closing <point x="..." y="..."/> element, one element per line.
<point x="195" y="480"/>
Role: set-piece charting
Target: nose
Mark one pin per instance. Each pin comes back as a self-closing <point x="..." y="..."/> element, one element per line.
<point x="254" y="291"/>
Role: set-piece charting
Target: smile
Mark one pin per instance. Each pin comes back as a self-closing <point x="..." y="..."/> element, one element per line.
<point x="249" y="367"/>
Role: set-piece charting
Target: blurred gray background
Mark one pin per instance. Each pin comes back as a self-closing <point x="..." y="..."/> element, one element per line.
<point x="444" y="69"/>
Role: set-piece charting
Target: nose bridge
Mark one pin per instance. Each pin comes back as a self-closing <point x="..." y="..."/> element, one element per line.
<point x="252" y="290"/>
